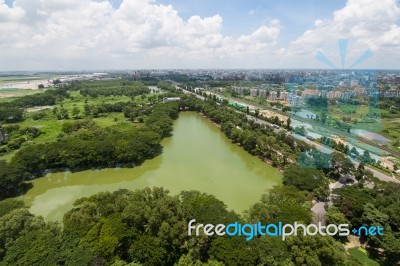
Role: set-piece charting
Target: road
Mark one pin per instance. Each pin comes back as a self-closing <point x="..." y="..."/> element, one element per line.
<point x="322" y="148"/>
<point x="294" y="117"/>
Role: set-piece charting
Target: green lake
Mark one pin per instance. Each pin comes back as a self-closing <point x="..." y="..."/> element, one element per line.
<point x="197" y="157"/>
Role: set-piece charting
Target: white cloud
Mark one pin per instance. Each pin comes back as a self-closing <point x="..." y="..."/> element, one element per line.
<point x="368" y="24"/>
<point x="318" y="22"/>
<point x="140" y="33"/>
<point x="78" y="34"/>
<point x="253" y="11"/>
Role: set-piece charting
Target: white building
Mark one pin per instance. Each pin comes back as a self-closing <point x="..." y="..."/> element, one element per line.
<point x="273" y="95"/>
<point x="171" y="99"/>
<point x="294" y="100"/>
<point x="284" y="96"/>
<point x="253" y="92"/>
<point x="238" y="90"/>
<point x="262" y="94"/>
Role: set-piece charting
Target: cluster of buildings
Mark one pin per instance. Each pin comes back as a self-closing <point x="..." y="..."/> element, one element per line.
<point x="82" y="77"/>
<point x="390" y="93"/>
<point x="296" y="97"/>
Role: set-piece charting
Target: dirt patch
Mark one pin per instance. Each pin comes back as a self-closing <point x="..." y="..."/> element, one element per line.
<point x="38" y="108"/>
<point x="268" y="113"/>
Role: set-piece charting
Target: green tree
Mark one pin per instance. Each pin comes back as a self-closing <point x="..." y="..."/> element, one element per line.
<point x="75" y="112"/>
<point x="316" y="250"/>
<point x="341" y="166"/>
<point x="288" y="122"/>
<point x="233" y="251"/>
<point x="309" y="179"/>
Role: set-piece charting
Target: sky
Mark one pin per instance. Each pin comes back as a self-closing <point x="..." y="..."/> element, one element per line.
<point x="63" y="35"/>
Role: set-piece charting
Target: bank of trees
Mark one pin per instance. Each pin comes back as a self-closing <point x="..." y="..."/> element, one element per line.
<point x="307" y="179"/>
<point x="11" y="114"/>
<point x="111" y="88"/>
<point x="363" y="206"/>
<point x="13" y="111"/>
<point x="17" y="136"/>
<point x="257" y="139"/>
<point x="149" y="227"/>
<point x="84" y="145"/>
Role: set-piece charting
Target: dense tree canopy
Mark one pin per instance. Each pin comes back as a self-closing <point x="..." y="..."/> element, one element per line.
<point x="309" y="179"/>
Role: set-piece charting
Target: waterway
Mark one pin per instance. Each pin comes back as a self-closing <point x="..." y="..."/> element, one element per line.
<point x="197" y="157"/>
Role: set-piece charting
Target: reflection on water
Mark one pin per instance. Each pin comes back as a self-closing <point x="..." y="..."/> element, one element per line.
<point x="198" y="156"/>
<point x="371" y="136"/>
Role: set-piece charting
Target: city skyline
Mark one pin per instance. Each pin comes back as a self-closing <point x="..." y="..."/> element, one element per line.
<point x="165" y="34"/>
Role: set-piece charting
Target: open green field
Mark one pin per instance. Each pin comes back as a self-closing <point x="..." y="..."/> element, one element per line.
<point x="9" y="95"/>
<point x="361" y="256"/>
<point x="51" y="126"/>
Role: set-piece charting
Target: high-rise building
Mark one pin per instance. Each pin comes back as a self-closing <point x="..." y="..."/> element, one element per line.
<point x="238" y="90"/>
<point x="273" y="95"/>
<point x="262" y="94"/>
<point x="294" y="100"/>
<point x="284" y="96"/>
<point x="253" y="92"/>
<point x="346" y="95"/>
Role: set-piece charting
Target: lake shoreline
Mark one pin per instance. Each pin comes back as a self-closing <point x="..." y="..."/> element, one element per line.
<point x="243" y="177"/>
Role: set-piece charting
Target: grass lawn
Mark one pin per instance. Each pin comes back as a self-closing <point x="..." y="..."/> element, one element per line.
<point x="52" y="127"/>
<point x="9" y="95"/>
<point x="391" y="130"/>
<point x="361" y="256"/>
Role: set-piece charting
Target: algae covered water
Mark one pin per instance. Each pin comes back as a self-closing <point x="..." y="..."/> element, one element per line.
<point x="197" y="157"/>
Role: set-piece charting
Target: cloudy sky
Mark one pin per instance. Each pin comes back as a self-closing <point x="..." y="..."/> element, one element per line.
<point x="137" y="34"/>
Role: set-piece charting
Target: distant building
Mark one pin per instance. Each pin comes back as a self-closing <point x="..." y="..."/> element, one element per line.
<point x="284" y="96"/>
<point x="337" y="94"/>
<point x="171" y="99"/>
<point x="294" y="100"/>
<point x="253" y="92"/>
<point x="238" y="90"/>
<point x="262" y="94"/>
<point x="324" y="93"/>
<point x="346" y="95"/>
<point x="273" y="95"/>
<point x="360" y="91"/>
<point x="391" y="93"/>
<point x="334" y="95"/>
<point x="309" y="93"/>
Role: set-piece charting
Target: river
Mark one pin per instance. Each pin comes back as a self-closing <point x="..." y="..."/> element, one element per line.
<point x="197" y="157"/>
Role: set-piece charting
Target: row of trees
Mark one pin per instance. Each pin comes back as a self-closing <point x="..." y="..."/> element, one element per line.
<point x="13" y="112"/>
<point x="149" y="227"/>
<point x="353" y="152"/>
<point x="17" y="136"/>
<point x="112" y="88"/>
<point x="258" y="139"/>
